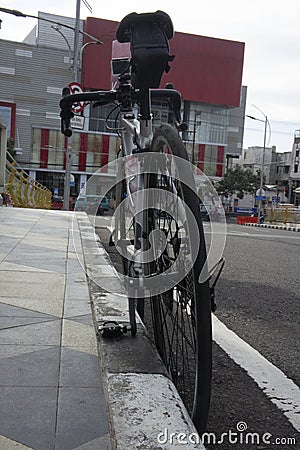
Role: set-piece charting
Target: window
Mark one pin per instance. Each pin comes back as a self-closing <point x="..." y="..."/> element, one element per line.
<point x="296" y="168"/>
<point x="211" y="123"/>
<point x="103" y="119"/>
<point x="161" y="113"/>
<point x="8" y="117"/>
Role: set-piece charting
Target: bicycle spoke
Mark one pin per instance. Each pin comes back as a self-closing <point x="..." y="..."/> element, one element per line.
<point x="184" y="346"/>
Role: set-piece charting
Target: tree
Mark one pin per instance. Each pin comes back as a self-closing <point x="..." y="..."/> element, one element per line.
<point x="238" y="181"/>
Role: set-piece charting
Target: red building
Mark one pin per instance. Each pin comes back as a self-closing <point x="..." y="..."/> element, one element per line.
<point x="207" y="72"/>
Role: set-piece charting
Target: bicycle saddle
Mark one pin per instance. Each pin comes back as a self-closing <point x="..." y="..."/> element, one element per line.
<point x="159" y="18"/>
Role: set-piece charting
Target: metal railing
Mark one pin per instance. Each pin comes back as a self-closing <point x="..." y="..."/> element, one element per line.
<point x="283" y="214"/>
<point x="21" y="190"/>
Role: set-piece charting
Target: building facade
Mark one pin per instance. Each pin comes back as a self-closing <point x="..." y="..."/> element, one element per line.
<point x="294" y="176"/>
<point x="207" y="71"/>
<point x="252" y="159"/>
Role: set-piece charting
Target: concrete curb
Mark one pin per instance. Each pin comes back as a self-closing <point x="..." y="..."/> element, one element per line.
<point x="143" y="404"/>
<point x="275" y="227"/>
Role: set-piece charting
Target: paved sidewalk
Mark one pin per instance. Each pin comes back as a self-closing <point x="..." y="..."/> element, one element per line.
<point x="60" y="387"/>
<point x="50" y="379"/>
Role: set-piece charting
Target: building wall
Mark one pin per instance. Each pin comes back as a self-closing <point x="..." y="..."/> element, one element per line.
<point x="205" y="70"/>
<point x="31" y="78"/>
<point x="252" y="160"/>
<point x="295" y="159"/>
<point x="49" y="37"/>
<point x="236" y="127"/>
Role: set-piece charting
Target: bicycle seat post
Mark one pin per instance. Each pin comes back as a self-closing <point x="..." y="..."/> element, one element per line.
<point x="145" y="116"/>
<point x="145" y="102"/>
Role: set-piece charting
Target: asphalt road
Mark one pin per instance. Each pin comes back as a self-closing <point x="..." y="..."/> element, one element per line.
<point x="258" y="298"/>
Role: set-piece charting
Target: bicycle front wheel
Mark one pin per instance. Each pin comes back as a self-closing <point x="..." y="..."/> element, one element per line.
<point x="181" y="314"/>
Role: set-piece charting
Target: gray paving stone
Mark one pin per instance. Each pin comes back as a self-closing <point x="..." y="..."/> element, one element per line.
<point x="29" y="415"/>
<point x="38" y="368"/>
<point x="10" y="350"/>
<point x="102" y="443"/>
<point x="76" y="308"/>
<point x="44" y="288"/>
<point x="10" y="310"/>
<point x="77" y="290"/>
<point x="39" y="262"/>
<point x="12" y="322"/>
<point x="85" y="319"/>
<point x="38" y="334"/>
<point x="79" y="369"/>
<point x="81" y="417"/>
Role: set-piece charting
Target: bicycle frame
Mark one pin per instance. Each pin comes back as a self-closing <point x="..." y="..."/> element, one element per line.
<point x="136" y="136"/>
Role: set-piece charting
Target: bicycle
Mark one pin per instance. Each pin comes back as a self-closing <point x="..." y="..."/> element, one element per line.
<point x="157" y="212"/>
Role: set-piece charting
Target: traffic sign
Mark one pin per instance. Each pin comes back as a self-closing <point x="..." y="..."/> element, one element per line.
<point x="76" y="88"/>
<point x="261" y="198"/>
<point x="244" y="210"/>
<point x="77" y="122"/>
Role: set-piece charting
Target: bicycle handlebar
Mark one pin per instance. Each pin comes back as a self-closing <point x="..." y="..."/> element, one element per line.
<point x="101" y="98"/>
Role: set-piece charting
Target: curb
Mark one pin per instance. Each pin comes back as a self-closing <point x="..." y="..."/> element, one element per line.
<point x="275" y="227"/>
<point x="142" y="402"/>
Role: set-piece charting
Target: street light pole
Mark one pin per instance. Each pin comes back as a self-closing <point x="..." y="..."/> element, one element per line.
<point x="262" y="173"/>
<point x="259" y="215"/>
<point x="66" y="199"/>
<point x="76" y="41"/>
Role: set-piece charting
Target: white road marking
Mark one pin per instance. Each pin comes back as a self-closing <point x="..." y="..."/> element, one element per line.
<point x="265" y="236"/>
<point x="282" y="391"/>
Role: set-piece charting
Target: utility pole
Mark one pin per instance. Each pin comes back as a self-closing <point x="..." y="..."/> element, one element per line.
<point x="260" y="192"/>
<point x="76" y="41"/>
<point x="260" y="204"/>
<point x="66" y="202"/>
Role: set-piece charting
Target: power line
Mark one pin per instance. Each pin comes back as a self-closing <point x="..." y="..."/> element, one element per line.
<point x="85" y="2"/>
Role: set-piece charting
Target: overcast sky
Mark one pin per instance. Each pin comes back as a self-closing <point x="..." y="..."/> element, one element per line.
<point x="270" y="30"/>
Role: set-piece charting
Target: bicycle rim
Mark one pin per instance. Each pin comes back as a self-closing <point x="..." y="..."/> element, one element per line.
<point x="181" y="316"/>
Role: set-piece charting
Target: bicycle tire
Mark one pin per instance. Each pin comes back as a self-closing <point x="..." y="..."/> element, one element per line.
<point x="181" y="317"/>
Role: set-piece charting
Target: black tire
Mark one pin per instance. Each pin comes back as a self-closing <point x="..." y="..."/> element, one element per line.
<point x="181" y="316"/>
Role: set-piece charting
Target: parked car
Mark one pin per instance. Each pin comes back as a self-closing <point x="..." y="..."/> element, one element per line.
<point x="57" y="202"/>
<point x="211" y="212"/>
<point x="204" y="212"/>
<point x="91" y="204"/>
<point x="104" y="203"/>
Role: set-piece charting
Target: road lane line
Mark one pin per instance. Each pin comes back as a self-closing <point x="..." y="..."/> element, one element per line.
<point x="282" y="391"/>
<point x="245" y="234"/>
